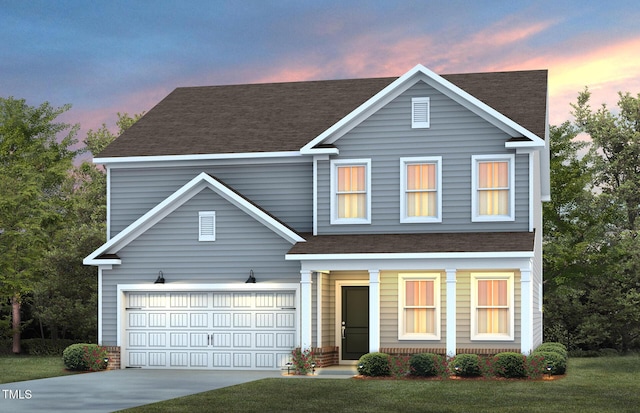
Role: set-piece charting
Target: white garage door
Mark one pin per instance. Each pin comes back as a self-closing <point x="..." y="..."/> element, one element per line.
<point x="239" y="330"/>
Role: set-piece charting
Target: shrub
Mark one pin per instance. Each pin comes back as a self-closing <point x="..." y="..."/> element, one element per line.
<point x="84" y="357"/>
<point x="465" y="365"/>
<point x="555" y="347"/>
<point x="509" y="364"/>
<point x="303" y="361"/>
<point x="427" y="364"/>
<point x="374" y="364"/>
<point x="399" y="366"/>
<point x="554" y="360"/>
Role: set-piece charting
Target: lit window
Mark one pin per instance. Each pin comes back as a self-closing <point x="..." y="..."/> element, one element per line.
<point x="207" y="226"/>
<point x="350" y="202"/>
<point x="421" y="199"/>
<point x="493" y="197"/>
<point x="419" y="316"/>
<point x="492" y="304"/>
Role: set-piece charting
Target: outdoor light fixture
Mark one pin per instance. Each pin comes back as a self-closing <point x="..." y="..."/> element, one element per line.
<point x="289" y="364"/>
<point x="251" y="279"/>
<point x="549" y="368"/>
<point x="160" y="279"/>
<point x="313" y="367"/>
<point x="457" y="369"/>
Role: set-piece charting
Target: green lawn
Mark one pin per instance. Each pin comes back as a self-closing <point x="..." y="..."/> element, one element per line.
<point x="20" y="368"/>
<point x="607" y="384"/>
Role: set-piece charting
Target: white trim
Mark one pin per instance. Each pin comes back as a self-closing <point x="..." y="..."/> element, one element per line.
<point x="334" y="165"/>
<point x="194" y="157"/>
<point x="404" y="162"/>
<point x="319" y="286"/>
<point x="526" y="311"/>
<point x="100" y="296"/>
<point x="531" y="192"/>
<point x="420" y="124"/>
<point x="178" y="198"/>
<point x="374" y="311"/>
<point x="451" y="335"/>
<point x="338" y="312"/>
<point x="306" y="310"/>
<point x="409" y="256"/>
<point x="475" y="160"/>
<point x="437" y="292"/>
<point x="315" y="196"/>
<point x="495" y="275"/>
<point x="108" y="203"/>
<point x="203" y="215"/>
<point x="417" y="73"/>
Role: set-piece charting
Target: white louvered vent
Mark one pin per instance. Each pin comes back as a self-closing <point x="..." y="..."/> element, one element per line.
<point x="420" y="108"/>
<point x="207" y="226"/>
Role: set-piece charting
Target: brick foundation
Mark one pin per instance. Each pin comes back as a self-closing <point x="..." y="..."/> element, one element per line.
<point x="114" y="357"/>
<point x="326" y="356"/>
<point x="400" y="351"/>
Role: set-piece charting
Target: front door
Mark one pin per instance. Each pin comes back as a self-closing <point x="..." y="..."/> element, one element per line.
<point x="355" y="322"/>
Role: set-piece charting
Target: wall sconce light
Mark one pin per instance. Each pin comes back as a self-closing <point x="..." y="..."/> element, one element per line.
<point x="251" y="279"/>
<point x="160" y="279"/>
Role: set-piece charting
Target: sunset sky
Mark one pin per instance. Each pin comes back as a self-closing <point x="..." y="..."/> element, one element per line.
<point x="113" y="56"/>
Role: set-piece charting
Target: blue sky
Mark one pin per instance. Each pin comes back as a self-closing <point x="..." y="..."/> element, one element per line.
<point x="105" y="57"/>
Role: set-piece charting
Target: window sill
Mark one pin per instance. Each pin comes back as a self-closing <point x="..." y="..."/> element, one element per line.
<point x="493" y="218"/>
<point x="350" y="221"/>
<point x="492" y="337"/>
<point x="419" y="337"/>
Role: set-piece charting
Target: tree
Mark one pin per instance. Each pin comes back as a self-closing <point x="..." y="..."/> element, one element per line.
<point x="65" y="296"/>
<point x="35" y="156"/>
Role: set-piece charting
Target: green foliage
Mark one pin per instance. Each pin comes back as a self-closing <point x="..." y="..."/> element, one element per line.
<point x="374" y="364"/>
<point x="84" y="357"/>
<point x="554" y="360"/>
<point x="465" y="365"/>
<point x="559" y="348"/>
<point x="303" y="361"/>
<point x="509" y="364"/>
<point x="45" y="347"/>
<point x="427" y="364"/>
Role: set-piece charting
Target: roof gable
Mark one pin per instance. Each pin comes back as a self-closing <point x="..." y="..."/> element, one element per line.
<point x="256" y="119"/>
<point x="105" y="254"/>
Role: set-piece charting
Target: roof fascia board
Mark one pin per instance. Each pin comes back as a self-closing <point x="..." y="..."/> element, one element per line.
<point x="196" y="157"/>
<point x="419" y="72"/>
<point x="409" y="256"/>
<point x="177" y="199"/>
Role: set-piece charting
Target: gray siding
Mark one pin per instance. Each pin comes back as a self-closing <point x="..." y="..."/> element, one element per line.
<point x="455" y="134"/>
<point x="283" y="189"/>
<point x="172" y="246"/>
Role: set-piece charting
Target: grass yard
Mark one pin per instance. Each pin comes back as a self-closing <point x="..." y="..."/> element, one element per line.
<point x="607" y="384"/>
<point x="21" y="368"/>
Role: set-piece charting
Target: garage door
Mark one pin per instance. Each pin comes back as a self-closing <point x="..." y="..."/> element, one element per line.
<point x="239" y="330"/>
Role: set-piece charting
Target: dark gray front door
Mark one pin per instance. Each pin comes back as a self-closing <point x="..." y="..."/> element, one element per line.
<point x="355" y="322"/>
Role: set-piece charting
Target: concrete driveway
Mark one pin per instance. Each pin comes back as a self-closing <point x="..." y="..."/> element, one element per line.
<point x="113" y="390"/>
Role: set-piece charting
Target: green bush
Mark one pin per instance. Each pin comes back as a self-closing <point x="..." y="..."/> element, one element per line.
<point x="509" y="364"/>
<point x="374" y="364"/>
<point x="45" y="347"/>
<point x="465" y="365"/>
<point x="554" y="360"/>
<point x="84" y="357"/>
<point x="555" y="347"/>
<point x="427" y="364"/>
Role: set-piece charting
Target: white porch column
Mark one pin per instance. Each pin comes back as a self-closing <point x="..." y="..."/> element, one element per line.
<point x="526" y="311"/>
<point x="374" y="310"/>
<point x="451" y="312"/>
<point x="319" y="281"/>
<point x="305" y="310"/>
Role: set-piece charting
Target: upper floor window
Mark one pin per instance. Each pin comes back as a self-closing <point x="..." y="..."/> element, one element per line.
<point x="492" y="305"/>
<point x="420" y="116"/>
<point x="351" y="191"/>
<point x="493" y="195"/>
<point x="207" y="226"/>
<point x="419" y="307"/>
<point x="420" y="193"/>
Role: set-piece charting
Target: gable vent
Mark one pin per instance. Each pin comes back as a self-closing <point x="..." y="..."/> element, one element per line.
<point x="420" y="112"/>
<point x="207" y="226"/>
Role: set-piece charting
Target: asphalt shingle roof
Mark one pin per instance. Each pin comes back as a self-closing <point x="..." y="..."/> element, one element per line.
<point x="274" y="117"/>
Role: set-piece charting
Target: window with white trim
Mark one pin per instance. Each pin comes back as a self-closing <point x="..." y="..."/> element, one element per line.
<point x="207" y="226"/>
<point x="492" y="306"/>
<point x="420" y="116"/>
<point x="420" y="189"/>
<point x="351" y="191"/>
<point x="419" y="306"/>
<point x="493" y="196"/>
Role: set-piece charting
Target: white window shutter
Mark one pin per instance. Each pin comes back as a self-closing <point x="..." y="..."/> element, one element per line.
<point x="207" y="226"/>
<point x="420" y="116"/>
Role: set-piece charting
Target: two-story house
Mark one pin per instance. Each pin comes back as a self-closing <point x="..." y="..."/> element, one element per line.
<point x="346" y="216"/>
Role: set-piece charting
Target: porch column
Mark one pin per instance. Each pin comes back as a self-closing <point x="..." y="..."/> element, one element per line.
<point x="526" y="311"/>
<point x="451" y="312"/>
<point x="305" y="310"/>
<point x="374" y="310"/>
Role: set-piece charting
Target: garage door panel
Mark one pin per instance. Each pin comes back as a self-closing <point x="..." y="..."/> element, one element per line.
<point x="209" y="329"/>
